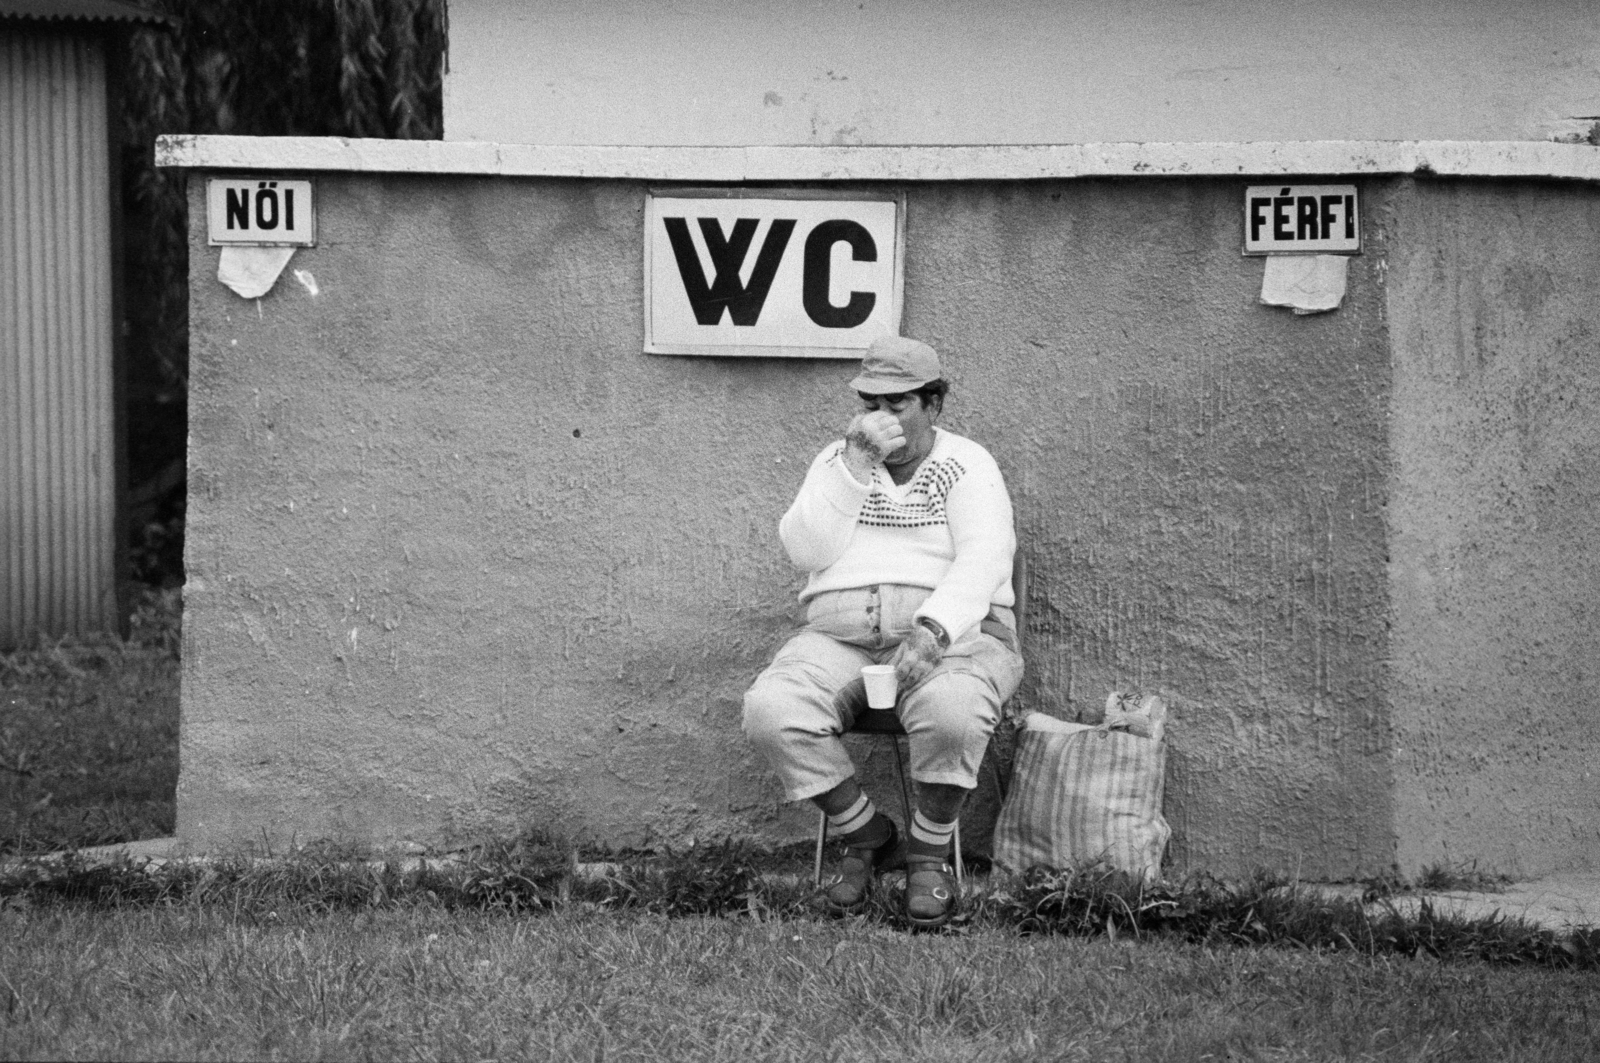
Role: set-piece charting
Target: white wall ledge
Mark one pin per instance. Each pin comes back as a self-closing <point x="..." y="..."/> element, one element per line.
<point x="981" y="162"/>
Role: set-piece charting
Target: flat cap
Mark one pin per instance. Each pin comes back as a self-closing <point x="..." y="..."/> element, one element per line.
<point x="895" y="364"/>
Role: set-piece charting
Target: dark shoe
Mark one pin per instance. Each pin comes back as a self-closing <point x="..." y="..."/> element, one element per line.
<point x="930" y="892"/>
<point x="849" y="888"/>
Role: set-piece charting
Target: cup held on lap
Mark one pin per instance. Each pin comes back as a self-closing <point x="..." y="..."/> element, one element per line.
<point x="881" y="685"/>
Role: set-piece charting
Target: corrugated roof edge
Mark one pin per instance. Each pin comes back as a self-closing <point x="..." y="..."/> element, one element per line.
<point x="79" y="11"/>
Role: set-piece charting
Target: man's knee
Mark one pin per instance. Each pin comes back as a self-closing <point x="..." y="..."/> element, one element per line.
<point x="765" y="713"/>
<point x="790" y="693"/>
<point x="958" y="703"/>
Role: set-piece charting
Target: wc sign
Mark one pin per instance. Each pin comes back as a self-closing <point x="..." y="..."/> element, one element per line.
<point x="771" y="274"/>
<point x="260" y="210"/>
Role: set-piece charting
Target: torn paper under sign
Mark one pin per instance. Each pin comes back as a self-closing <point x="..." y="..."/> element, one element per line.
<point x="252" y="271"/>
<point x="1310" y="284"/>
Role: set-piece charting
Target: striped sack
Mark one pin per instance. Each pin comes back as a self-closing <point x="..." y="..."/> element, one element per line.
<point x="1081" y="798"/>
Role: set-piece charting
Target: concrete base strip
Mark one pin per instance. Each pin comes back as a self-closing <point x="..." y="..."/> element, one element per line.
<point x="1559" y="902"/>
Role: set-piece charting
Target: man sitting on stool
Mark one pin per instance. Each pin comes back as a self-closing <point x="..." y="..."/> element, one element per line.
<point x="905" y="531"/>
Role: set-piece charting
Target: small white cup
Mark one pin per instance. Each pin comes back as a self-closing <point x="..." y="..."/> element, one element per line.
<point x="881" y="685"/>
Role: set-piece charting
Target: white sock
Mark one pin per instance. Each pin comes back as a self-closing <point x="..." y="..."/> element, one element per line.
<point x="930" y="832"/>
<point x="853" y="818"/>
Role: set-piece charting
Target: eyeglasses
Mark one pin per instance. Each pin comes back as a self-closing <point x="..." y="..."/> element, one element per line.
<point x="894" y="403"/>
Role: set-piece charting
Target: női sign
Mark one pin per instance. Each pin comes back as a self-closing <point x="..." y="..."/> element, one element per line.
<point x="260" y="210"/>
<point x="771" y="274"/>
<point x="1301" y="219"/>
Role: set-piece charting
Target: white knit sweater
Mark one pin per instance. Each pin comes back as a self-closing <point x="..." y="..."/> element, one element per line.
<point x="947" y="529"/>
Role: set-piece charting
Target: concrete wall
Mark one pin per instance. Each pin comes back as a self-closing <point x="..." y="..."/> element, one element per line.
<point x="1496" y="544"/>
<point x="1018" y="71"/>
<point x="462" y="558"/>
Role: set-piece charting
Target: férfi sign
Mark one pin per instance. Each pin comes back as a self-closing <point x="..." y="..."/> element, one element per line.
<point x="260" y="210"/>
<point x="1303" y="219"/>
<point x="802" y="275"/>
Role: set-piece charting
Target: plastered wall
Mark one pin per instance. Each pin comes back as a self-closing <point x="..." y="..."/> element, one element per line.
<point x="1017" y="71"/>
<point x="1495" y="556"/>
<point x="1200" y="483"/>
<point x="462" y="559"/>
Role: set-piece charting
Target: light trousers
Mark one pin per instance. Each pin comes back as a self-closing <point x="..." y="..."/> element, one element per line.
<point x="797" y="710"/>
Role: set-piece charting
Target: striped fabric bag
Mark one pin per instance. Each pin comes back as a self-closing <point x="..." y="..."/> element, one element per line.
<point x="1083" y="795"/>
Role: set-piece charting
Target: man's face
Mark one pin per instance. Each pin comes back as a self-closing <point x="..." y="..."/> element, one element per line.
<point x="916" y="414"/>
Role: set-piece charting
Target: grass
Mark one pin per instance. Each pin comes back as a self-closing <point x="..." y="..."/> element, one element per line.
<point x="589" y="983"/>
<point x="89" y="735"/>
<point x="505" y="950"/>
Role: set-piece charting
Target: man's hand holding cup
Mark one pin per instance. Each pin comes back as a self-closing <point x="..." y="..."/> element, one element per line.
<point x="916" y="657"/>
<point x="871" y="437"/>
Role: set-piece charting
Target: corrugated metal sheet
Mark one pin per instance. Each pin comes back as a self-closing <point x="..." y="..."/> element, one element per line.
<point x="86" y="10"/>
<point x="57" y="459"/>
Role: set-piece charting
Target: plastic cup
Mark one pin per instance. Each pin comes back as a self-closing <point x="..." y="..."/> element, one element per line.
<point x="881" y="685"/>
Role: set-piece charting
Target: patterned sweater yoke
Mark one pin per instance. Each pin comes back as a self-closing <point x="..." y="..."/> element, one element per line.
<point x="921" y="503"/>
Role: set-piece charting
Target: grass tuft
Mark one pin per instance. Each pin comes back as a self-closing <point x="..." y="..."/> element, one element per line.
<point x="1440" y="878"/>
<point x="527" y="874"/>
<point x="710" y="880"/>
